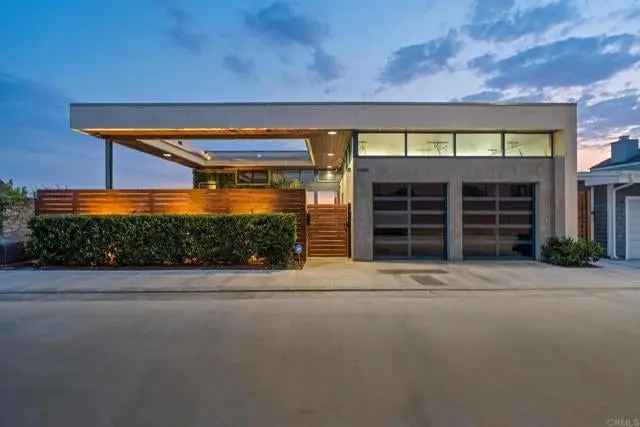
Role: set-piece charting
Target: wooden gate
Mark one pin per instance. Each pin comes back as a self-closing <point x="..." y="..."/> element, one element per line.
<point x="328" y="230"/>
<point x="584" y="213"/>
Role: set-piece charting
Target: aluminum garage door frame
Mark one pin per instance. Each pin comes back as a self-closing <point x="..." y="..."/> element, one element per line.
<point x="498" y="220"/>
<point x="409" y="220"/>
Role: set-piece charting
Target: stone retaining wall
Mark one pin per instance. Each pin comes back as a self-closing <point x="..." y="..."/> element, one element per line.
<point x="16" y="226"/>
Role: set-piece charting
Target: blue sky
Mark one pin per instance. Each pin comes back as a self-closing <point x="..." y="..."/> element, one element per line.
<point x="56" y="52"/>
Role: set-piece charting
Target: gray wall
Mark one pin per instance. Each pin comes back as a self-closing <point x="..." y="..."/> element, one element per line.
<point x="600" y="215"/>
<point x="453" y="171"/>
<point x="621" y="218"/>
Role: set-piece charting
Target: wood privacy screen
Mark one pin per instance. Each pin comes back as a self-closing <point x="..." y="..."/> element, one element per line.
<point x="92" y="202"/>
<point x="328" y="230"/>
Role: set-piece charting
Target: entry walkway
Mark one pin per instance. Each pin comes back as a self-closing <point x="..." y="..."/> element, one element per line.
<point x="331" y="275"/>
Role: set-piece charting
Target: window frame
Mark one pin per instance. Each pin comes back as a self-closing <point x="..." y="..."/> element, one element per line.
<point x="455" y="133"/>
<point x="550" y="142"/>
<point x="252" y="183"/>
<point x="394" y="132"/>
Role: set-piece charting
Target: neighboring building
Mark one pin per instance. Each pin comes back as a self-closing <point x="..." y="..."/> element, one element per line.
<point x="421" y="180"/>
<point x="614" y="187"/>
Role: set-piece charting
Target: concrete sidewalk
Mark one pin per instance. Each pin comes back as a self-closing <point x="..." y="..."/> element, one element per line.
<point x="331" y="275"/>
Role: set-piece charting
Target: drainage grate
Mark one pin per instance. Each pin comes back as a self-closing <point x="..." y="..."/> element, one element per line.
<point x="414" y="271"/>
<point x="426" y="280"/>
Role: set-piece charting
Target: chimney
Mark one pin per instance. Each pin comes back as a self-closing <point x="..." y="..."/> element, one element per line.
<point x="624" y="149"/>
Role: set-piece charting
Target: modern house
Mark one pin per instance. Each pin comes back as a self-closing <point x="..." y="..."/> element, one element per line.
<point x="410" y="180"/>
<point x="614" y="198"/>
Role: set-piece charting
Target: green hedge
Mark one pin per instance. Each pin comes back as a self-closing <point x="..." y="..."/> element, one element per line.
<point x="137" y="240"/>
<point x="570" y="252"/>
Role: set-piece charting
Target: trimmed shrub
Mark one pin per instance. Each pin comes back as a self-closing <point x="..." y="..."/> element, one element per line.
<point x="138" y="240"/>
<point x="569" y="252"/>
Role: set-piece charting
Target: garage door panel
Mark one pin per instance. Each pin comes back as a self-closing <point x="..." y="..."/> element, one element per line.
<point x="633" y="231"/>
<point x="409" y="220"/>
<point x="390" y="190"/>
<point x="497" y="220"/>
<point x="391" y="249"/>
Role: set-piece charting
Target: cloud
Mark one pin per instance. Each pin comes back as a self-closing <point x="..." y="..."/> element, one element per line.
<point x="239" y="66"/>
<point x="419" y="60"/>
<point x="280" y="24"/>
<point x="325" y="66"/>
<point x="182" y="34"/>
<point x="610" y="117"/>
<point x="628" y="13"/>
<point x="484" y="96"/>
<point x="488" y="10"/>
<point x="497" y="23"/>
<point x="570" y="62"/>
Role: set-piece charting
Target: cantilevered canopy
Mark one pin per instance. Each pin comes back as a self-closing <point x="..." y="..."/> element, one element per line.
<point x="172" y="134"/>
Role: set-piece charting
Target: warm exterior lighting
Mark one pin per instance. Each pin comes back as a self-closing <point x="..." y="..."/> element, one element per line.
<point x="332" y="132"/>
<point x="166" y="155"/>
<point x="330" y="154"/>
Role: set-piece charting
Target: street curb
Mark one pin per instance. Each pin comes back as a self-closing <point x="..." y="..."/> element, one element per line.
<point x="310" y="290"/>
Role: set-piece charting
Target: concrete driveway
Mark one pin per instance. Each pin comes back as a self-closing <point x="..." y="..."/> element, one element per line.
<point x="464" y="358"/>
<point x="332" y="274"/>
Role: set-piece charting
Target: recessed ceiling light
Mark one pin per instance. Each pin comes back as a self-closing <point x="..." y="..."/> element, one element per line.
<point x="332" y="132"/>
<point x="166" y="154"/>
<point x="330" y="154"/>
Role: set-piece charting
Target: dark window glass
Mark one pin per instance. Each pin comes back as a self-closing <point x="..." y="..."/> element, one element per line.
<point x="245" y="177"/>
<point x="479" y="219"/>
<point x="515" y="219"/>
<point x="522" y="234"/>
<point x="427" y="205"/>
<point x="307" y="176"/>
<point x="253" y="177"/>
<point x="399" y="232"/>
<point x="516" y="190"/>
<point x="389" y="190"/>
<point x="427" y="219"/>
<point x="516" y="250"/>
<point x="488" y="205"/>
<point x="476" y="249"/>
<point x="427" y="233"/>
<point x="385" y="249"/>
<point x="427" y="249"/>
<point x="479" y="190"/>
<point x="484" y="233"/>
<point x="512" y="205"/>
<point x="391" y="218"/>
<point x="428" y="190"/>
<point x="390" y="206"/>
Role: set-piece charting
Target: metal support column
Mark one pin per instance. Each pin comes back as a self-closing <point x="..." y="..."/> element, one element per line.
<point x="108" y="163"/>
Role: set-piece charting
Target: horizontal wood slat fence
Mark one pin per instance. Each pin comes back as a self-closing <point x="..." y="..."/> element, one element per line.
<point x="328" y="230"/>
<point x="200" y="201"/>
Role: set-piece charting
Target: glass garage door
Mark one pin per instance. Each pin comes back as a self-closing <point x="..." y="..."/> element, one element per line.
<point x="409" y="220"/>
<point x="498" y="220"/>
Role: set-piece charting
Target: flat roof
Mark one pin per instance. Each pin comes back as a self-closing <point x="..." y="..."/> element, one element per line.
<point x="326" y="126"/>
<point x="302" y="103"/>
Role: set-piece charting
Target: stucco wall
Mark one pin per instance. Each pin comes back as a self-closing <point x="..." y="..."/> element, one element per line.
<point x="453" y="171"/>
<point x="621" y="218"/>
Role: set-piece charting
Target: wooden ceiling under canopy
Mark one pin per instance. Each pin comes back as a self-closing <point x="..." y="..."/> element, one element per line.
<point x="327" y="148"/>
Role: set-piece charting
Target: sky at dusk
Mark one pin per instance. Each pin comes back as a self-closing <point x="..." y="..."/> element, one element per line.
<point x="60" y="51"/>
